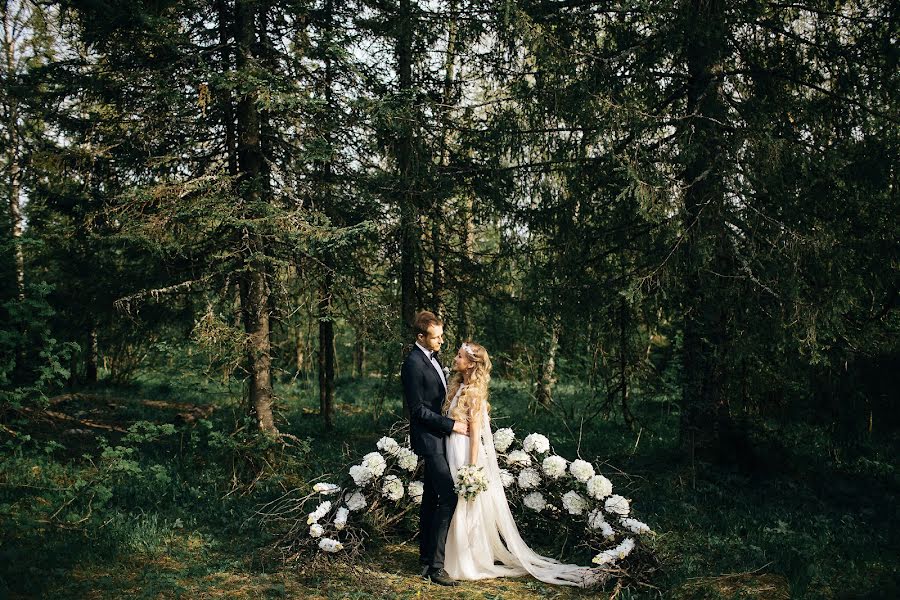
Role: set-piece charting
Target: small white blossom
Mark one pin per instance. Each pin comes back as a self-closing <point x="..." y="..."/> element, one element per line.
<point x="599" y="487"/>
<point x="375" y="463"/>
<point x="554" y="466"/>
<point x="416" y="489"/>
<point x="316" y="530"/>
<point x="330" y="545"/>
<point x="614" y="554"/>
<point x="582" y="470"/>
<point x="618" y="505"/>
<point x="595" y="519"/>
<point x="361" y="475"/>
<point x="607" y="531"/>
<point x="634" y="526"/>
<point x="356" y="501"/>
<point x="503" y="438"/>
<point x="326" y="488"/>
<point x="625" y="547"/>
<point x="529" y="479"/>
<point x="392" y="489"/>
<point x="407" y="459"/>
<point x="388" y="445"/>
<point x="320" y="512"/>
<point x="574" y="503"/>
<point x="518" y="457"/>
<point x="340" y="517"/>
<point x="536" y="442"/>
<point x="506" y="478"/>
<point x="535" y="501"/>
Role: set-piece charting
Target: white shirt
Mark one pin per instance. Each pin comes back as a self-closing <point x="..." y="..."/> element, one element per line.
<point x="434" y="363"/>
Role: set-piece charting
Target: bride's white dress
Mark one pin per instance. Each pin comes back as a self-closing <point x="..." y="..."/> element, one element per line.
<point x="479" y="527"/>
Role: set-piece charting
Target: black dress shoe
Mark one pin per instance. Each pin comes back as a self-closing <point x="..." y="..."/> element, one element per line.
<point x="440" y="577"/>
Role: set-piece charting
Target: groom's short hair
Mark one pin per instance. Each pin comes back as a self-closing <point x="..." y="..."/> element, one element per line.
<point x="423" y="320"/>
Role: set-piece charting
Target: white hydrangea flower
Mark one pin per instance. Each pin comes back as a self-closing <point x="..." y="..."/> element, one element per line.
<point x="361" y="475"/>
<point x="407" y="459"/>
<point x="316" y="530"/>
<point x="503" y="438"/>
<point x="392" y="489"/>
<point x="634" y="526"/>
<point x="506" y="478"/>
<point x="529" y="479"/>
<point x="518" y="457"/>
<point x="618" y="505"/>
<point x="330" y="545"/>
<point x="320" y="512"/>
<point x="599" y="487"/>
<point x="614" y="554"/>
<point x="607" y="531"/>
<point x="535" y="501"/>
<point x="326" y="488"/>
<point x="536" y="442"/>
<point x="356" y="501"/>
<point x="574" y="503"/>
<point x="582" y="470"/>
<point x="340" y="517"/>
<point x="374" y="462"/>
<point x="595" y="519"/>
<point x="554" y="466"/>
<point x="388" y="445"/>
<point x="625" y="548"/>
<point x="415" y="490"/>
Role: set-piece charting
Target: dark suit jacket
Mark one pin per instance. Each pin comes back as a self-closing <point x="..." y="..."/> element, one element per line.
<point x="424" y="395"/>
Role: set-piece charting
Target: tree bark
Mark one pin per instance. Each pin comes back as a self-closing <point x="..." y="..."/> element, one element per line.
<point x="326" y="353"/>
<point x="704" y="409"/>
<point x="90" y="367"/>
<point x="547" y="369"/>
<point x="410" y="231"/>
<point x="13" y="153"/>
<point x="326" y="322"/>
<point x="254" y="287"/>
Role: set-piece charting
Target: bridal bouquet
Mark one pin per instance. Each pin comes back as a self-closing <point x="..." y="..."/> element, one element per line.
<point x="470" y="481"/>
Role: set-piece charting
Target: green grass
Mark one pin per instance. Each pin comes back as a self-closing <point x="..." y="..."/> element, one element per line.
<point x="85" y="517"/>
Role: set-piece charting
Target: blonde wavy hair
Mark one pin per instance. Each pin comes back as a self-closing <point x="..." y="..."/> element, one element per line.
<point x="475" y="395"/>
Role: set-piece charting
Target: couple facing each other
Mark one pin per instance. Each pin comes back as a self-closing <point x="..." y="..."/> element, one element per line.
<point x="449" y="427"/>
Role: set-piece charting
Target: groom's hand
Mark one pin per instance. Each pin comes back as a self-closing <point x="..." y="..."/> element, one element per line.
<point x="460" y="427"/>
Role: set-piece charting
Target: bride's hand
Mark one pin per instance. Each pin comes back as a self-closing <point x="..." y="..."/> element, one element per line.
<point x="461" y="428"/>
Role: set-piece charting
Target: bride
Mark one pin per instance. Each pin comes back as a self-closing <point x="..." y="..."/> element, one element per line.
<point x="483" y="541"/>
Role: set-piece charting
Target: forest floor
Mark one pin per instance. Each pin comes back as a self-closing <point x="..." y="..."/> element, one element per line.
<point x="146" y="491"/>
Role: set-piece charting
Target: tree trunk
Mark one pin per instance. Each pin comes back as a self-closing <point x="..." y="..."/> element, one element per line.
<point x="254" y="287"/>
<point x="410" y="233"/>
<point x="360" y="352"/>
<point x="13" y="156"/>
<point x="437" y="234"/>
<point x="324" y="168"/>
<point x="326" y="353"/>
<point x="704" y="409"/>
<point x="547" y="369"/>
<point x="90" y="367"/>
<point x="464" y="319"/>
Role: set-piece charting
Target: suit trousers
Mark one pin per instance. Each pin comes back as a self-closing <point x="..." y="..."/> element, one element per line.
<point x="438" y="503"/>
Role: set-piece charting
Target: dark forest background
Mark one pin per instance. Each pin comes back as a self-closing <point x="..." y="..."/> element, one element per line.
<point x="672" y="224"/>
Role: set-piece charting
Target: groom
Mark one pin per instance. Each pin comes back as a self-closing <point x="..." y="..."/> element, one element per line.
<point x="424" y="390"/>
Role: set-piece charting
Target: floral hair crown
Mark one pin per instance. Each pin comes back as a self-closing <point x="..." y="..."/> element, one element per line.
<point x="469" y="350"/>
